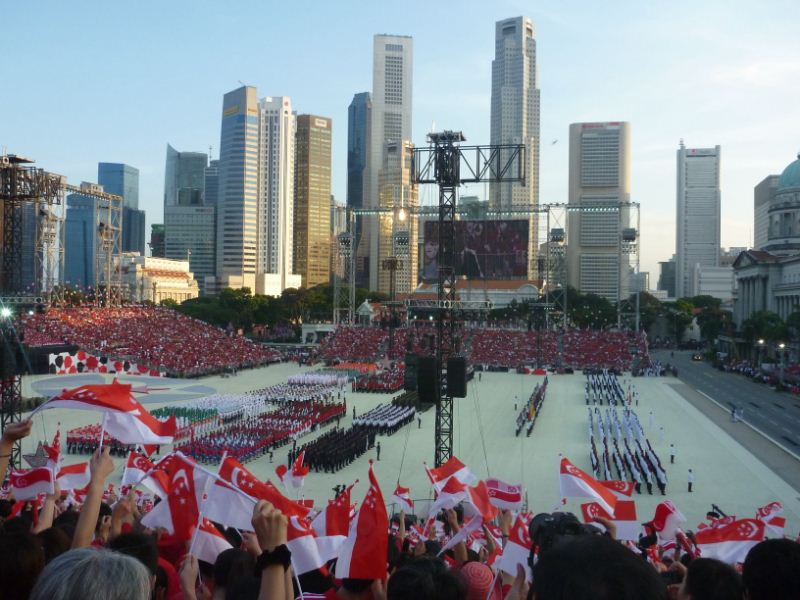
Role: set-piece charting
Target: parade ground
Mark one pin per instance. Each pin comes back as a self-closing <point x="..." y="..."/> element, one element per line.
<point x="726" y="473"/>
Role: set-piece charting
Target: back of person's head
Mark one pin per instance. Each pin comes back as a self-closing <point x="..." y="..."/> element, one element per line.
<point x="21" y="562"/>
<point x="54" y="541"/>
<point x="710" y="579"/>
<point x="426" y="577"/>
<point x="480" y="581"/>
<point x="772" y="571"/>
<point x="247" y="588"/>
<point x="138" y="545"/>
<point x="595" y="567"/>
<point x="231" y="565"/>
<point x="93" y="574"/>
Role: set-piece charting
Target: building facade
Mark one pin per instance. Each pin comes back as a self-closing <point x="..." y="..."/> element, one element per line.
<point x="275" y="264"/>
<point x="697" y="216"/>
<point x="184" y="178"/>
<point x="122" y="180"/>
<point x="157" y="244"/>
<point x="763" y="195"/>
<point x="392" y="58"/>
<point x="399" y="197"/>
<point x="189" y="235"/>
<point x="769" y="278"/>
<point x="599" y="188"/>
<point x="666" y="277"/>
<point x="211" y="183"/>
<point x="713" y="281"/>
<point x="149" y="279"/>
<point x="515" y="116"/>
<point x="359" y="119"/>
<point x="134" y="229"/>
<point x="237" y="208"/>
<point x="312" y="204"/>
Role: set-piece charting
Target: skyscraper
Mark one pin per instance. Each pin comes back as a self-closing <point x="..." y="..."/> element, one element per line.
<point x="515" y="115"/>
<point x="762" y="198"/>
<point x="120" y="179"/>
<point x="392" y="58"/>
<point x="698" y="215"/>
<point x="237" y="208"/>
<point x="123" y="180"/>
<point x="189" y="225"/>
<point x="184" y="178"/>
<point x="212" y="183"/>
<point x="274" y="265"/>
<point x="312" y="200"/>
<point x="599" y="180"/>
<point x="359" y="115"/>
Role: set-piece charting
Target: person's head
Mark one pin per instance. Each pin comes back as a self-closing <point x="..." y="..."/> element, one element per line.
<point x="772" y="570"/>
<point x="21" y="561"/>
<point x="140" y="546"/>
<point x="595" y="567"/>
<point x="431" y="249"/>
<point x="55" y="541"/>
<point x="710" y="579"/>
<point x="93" y="574"/>
<point x="231" y="565"/>
<point x="426" y="578"/>
<point x="480" y="582"/>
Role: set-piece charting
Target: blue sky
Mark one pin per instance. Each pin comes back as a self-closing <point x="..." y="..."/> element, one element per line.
<point x="108" y="81"/>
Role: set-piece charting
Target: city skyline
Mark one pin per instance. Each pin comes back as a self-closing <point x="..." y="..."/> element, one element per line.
<point x="684" y="71"/>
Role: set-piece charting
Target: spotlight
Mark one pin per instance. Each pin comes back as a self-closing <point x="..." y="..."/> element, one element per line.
<point x="5" y="312"/>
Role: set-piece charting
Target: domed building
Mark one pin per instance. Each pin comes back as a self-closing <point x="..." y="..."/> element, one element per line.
<point x="768" y="278"/>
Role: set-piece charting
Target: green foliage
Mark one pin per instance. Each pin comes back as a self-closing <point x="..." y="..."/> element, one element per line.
<point x="242" y="309"/>
<point x="765" y="325"/>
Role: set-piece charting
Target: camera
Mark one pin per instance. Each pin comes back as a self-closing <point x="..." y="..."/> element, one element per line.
<point x="547" y="530"/>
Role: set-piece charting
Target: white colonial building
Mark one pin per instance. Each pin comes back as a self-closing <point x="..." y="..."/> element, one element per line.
<point x="155" y="279"/>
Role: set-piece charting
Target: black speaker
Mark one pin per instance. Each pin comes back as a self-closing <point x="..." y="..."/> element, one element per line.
<point x="410" y="376"/>
<point x="426" y="379"/>
<point x="457" y="377"/>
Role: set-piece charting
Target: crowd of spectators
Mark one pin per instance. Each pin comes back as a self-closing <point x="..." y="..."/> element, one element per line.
<point x="387" y="380"/>
<point x="101" y="550"/>
<point x="495" y="347"/>
<point x="159" y="338"/>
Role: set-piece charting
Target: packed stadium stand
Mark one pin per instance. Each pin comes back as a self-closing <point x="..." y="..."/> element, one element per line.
<point x="157" y="337"/>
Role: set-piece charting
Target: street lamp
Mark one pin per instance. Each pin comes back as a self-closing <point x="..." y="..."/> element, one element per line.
<point x="760" y="351"/>
<point x="782" y="347"/>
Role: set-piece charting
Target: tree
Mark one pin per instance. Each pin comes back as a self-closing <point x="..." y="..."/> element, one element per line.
<point x="169" y="303"/>
<point x="765" y="325"/>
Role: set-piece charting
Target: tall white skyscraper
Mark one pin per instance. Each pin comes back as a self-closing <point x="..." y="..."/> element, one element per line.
<point x="277" y="125"/>
<point x="599" y="180"/>
<point x="256" y="194"/>
<point x="515" y="114"/>
<point x="392" y="57"/>
<point x="698" y="215"/>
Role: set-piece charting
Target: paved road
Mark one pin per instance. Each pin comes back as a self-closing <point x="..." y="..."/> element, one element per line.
<point x="775" y="414"/>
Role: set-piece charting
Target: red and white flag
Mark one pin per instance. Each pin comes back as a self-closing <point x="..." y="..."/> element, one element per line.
<point x="234" y="508"/>
<point x="303" y="545"/>
<point x="574" y="482"/>
<point x="730" y="543"/>
<point x="771" y="516"/>
<point x="123" y="417"/>
<point x="621" y="489"/>
<point x="26" y="485"/>
<point x="479" y="502"/>
<point x="628" y="528"/>
<point x="452" y="468"/>
<point x="667" y="520"/>
<point x="452" y="493"/>
<point x="74" y="477"/>
<point x="136" y="467"/>
<point x="504" y="495"/>
<point x="53" y="451"/>
<point x="333" y="524"/>
<point x="363" y="554"/>
<point x="717" y="522"/>
<point x="208" y="542"/>
<point x="402" y="497"/>
<point x="467" y="530"/>
<point x="180" y="511"/>
<point x="517" y="550"/>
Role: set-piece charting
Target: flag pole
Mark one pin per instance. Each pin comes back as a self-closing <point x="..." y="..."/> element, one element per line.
<point x="102" y="433"/>
<point x="297" y="580"/>
<point x="203" y="504"/>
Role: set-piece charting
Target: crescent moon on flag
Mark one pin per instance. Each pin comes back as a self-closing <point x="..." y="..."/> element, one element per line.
<point x="235" y="476"/>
